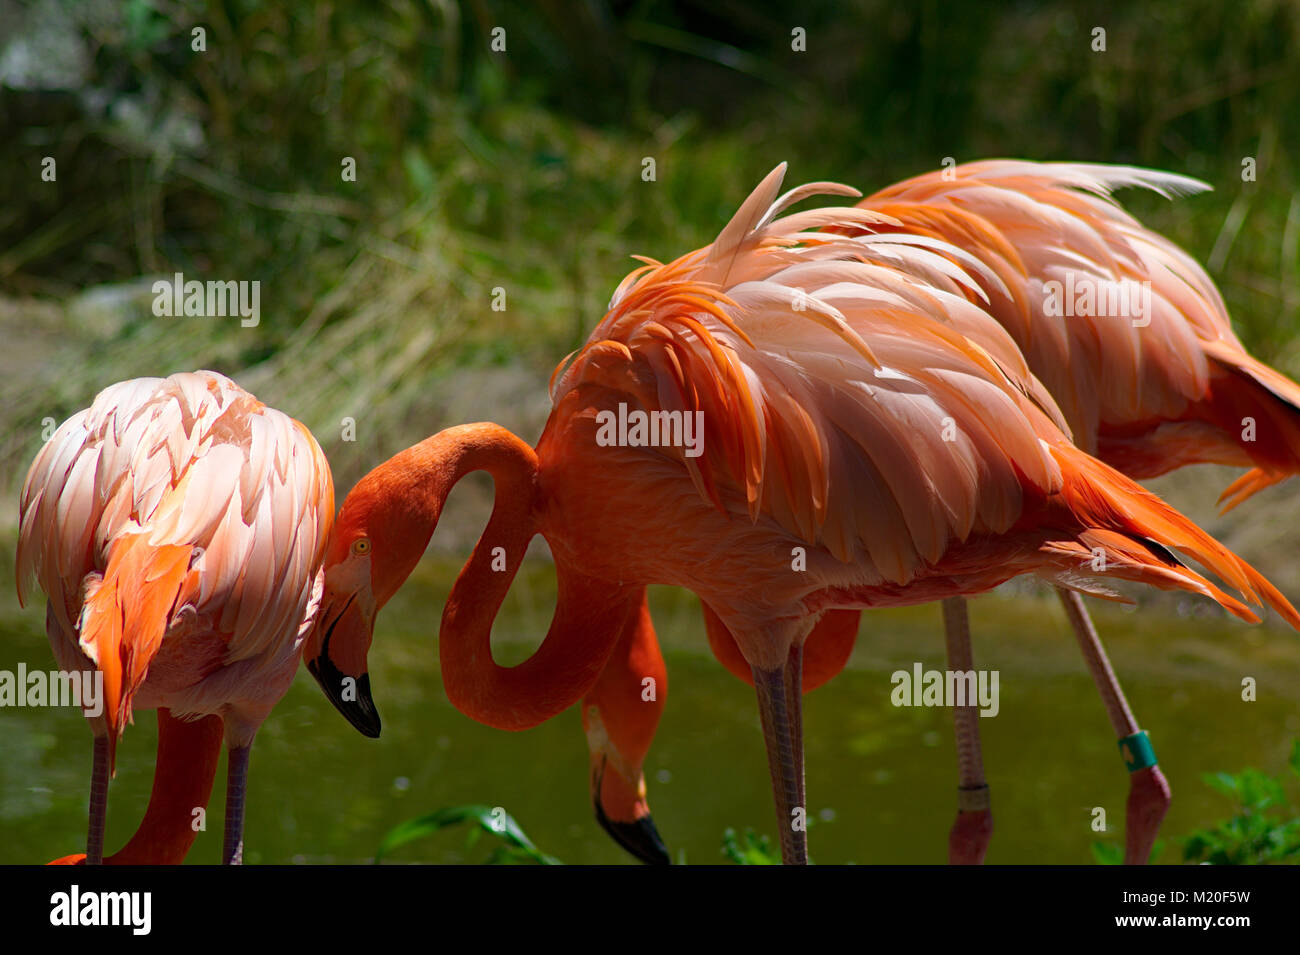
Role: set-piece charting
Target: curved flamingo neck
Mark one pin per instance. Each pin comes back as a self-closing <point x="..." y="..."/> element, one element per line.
<point x="590" y="613"/>
<point x="629" y="697"/>
<point x="188" y="752"/>
<point x="620" y="715"/>
<point x="589" y="616"/>
<point x="403" y="499"/>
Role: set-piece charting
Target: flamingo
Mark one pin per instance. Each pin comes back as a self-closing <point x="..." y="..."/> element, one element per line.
<point x="1174" y="388"/>
<point x="177" y="527"/>
<point x="870" y="439"/>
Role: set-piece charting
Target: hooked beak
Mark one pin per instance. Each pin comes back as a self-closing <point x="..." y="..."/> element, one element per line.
<point x="639" y="837"/>
<point x="346" y="682"/>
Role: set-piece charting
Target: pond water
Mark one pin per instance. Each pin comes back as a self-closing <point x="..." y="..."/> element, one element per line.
<point x="881" y="779"/>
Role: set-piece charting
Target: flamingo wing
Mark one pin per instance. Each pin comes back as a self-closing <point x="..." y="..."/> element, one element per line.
<point x="1067" y="254"/>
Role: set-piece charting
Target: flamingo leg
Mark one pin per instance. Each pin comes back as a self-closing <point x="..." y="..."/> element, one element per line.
<point x="99" y="774"/>
<point x="969" y="837"/>
<point x="780" y="707"/>
<point x="188" y="752"/>
<point x="232" y="852"/>
<point x="1148" y="794"/>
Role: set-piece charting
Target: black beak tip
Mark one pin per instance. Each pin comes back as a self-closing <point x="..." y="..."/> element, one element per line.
<point x="640" y="838"/>
<point x="360" y="712"/>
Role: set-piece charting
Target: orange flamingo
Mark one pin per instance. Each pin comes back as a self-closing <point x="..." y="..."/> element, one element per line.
<point x="869" y="439"/>
<point x="1171" y="388"/>
<point x="177" y="527"/>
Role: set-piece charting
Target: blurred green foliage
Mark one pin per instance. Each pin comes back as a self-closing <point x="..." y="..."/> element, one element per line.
<point x="480" y="169"/>
<point x="1265" y="824"/>
<point x="1112" y="853"/>
<point x="749" y="849"/>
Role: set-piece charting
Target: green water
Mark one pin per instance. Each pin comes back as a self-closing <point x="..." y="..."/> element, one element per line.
<point x="883" y="776"/>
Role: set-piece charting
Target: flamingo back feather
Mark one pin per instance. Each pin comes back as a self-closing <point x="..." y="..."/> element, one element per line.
<point x="1173" y="388"/>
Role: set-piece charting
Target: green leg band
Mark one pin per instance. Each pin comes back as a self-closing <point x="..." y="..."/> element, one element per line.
<point x="973" y="799"/>
<point x="1137" y="751"/>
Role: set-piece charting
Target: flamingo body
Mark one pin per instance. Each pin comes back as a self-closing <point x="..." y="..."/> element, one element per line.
<point x="177" y="527"/>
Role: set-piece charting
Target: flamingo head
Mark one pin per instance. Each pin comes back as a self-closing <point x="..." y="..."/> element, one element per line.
<point x="381" y="533"/>
<point x="371" y="553"/>
<point x="618" y="793"/>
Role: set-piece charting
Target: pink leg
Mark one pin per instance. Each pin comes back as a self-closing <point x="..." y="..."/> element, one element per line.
<point x="780" y="702"/>
<point x="99" y="774"/>
<point x="232" y="852"/>
<point x="969" y="838"/>
<point x="1148" y="794"/>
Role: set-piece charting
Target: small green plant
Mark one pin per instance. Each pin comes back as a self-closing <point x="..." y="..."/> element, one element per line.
<point x="753" y="848"/>
<point x="749" y="849"/>
<point x="1265" y="827"/>
<point x="515" y="848"/>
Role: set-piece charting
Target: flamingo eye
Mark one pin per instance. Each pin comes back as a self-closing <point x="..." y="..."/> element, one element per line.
<point x="361" y="547"/>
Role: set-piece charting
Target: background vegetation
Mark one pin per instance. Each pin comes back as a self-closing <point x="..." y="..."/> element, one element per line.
<point x="522" y="170"/>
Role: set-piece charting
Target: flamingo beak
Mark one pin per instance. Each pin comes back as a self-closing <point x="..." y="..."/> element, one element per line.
<point x="336" y="656"/>
<point x="640" y="838"/>
<point x="639" y="835"/>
